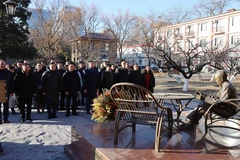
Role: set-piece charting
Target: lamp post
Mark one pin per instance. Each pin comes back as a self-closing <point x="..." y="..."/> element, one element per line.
<point x="10" y="7"/>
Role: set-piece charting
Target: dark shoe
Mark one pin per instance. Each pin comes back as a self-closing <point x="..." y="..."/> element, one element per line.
<point x="67" y="114"/>
<point x="7" y="121"/>
<point x="1" y="122"/>
<point x="29" y="119"/>
<point x="22" y="120"/>
<point x="14" y="112"/>
<point x="54" y="116"/>
<point x="49" y="117"/>
<point x="1" y="150"/>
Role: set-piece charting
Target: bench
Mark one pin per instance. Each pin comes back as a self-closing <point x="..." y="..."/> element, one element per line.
<point x="136" y="105"/>
<point x="228" y="110"/>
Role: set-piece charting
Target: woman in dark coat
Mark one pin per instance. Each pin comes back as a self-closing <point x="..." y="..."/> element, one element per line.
<point x="135" y="75"/>
<point x="51" y="87"/>
<point x="148" y="80"/>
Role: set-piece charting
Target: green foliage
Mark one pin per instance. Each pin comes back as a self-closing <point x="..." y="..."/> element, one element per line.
<point x="14" y="33"/>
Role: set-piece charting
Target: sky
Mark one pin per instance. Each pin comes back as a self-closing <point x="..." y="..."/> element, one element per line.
<point x="139" y="7"/>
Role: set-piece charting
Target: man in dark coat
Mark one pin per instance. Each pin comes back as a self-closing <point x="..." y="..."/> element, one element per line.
<point x="81" y="70"/>
<point x="8" y="77"/>
<point x="39" y="98"/>
<point x="107" y="78"/>
<point x="91" y="84"/>
<point x="62" y="96"/>
<point x="135" y="75"/>
<point x="25" y="90"/>
<point x="51" y="86"/>
<point x="122" y="73"/>
<point x="71" y="88"/>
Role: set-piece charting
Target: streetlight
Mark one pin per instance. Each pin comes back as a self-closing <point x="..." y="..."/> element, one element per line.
<point x="10" y="7"/>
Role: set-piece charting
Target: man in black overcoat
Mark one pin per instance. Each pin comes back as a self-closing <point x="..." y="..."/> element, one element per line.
<point x="71" y="88"/>
<point x="25" y="89"/>
<point x="51" y="86"/>
<point x="91" y="84"/>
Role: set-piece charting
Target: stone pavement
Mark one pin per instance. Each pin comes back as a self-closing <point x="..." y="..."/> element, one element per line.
<point x="95" y="141"/>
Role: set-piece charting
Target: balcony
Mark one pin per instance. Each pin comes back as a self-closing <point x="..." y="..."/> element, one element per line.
<point x="190" y="34"/>
<point x="217" y="31"/>
<point x="178" y="37"/>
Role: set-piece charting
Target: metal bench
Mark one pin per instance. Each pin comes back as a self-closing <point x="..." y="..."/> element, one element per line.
<point x="136" y="105"/>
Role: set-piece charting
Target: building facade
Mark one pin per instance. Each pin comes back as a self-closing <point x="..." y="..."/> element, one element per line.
<point x="98" y="47"/>
<point x="218" y="31"/>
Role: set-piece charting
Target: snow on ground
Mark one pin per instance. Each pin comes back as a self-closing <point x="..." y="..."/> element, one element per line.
<point x="41" y="139"/>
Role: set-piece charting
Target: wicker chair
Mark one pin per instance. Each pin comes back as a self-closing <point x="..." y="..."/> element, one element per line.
<point x="223" y="111"/>
<point x="136" y="105"/>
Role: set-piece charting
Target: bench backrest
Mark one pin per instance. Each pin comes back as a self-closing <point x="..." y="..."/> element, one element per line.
<point x="136" y="100"/>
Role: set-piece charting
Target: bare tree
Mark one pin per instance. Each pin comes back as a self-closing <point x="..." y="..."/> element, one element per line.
<point x="176" y="15"/>
<point x="120" y="27"/>
<point x="191" y="60"/>
<point x="209" y="7"/>
<point x="88" y="20"/>
<point x="47" y="32"/>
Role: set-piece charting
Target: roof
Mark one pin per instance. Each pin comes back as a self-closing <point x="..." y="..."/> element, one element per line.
<point x="97" y="36"/>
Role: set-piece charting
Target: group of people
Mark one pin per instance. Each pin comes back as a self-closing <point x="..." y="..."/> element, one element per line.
<point x="59" y="86"/>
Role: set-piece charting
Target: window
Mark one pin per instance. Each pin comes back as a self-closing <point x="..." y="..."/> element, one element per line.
<point x="92" y="46"/>
<point x="235" y="40"/>
<point x="203" y="26"/>
<point x="169" y="32"/>
<point x="203" y="43"/>
<point x="107" y="46"/>
<point x="235" y="21"/>
<point x="218" y="41"/>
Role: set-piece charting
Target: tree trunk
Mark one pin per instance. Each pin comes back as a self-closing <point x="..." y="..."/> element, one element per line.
<point x="186" y="83"/>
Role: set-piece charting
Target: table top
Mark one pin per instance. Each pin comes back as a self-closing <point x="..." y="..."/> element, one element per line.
<point x="173" y="96"/>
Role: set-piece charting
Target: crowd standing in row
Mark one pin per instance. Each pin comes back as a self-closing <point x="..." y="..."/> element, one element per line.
<point x="51" y="86"/>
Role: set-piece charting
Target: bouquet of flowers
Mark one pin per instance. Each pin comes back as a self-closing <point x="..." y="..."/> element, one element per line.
<point x="104" y="109"/>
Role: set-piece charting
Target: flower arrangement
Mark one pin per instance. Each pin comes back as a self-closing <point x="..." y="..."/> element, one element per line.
<point x="104" y="109"/>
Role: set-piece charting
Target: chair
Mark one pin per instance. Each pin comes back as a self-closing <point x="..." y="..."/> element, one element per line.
<point x="223" y="111"/>
<point x="136" y="105"/>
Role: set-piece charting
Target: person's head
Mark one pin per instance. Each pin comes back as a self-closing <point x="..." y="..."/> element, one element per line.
<point x="52" y="66"/>
<point x="91" y="64"/>
<point x="123" y="64"/>
<point x="26" y="68"/>
<point x="220" y="76"/>
<point x="60" y="65"/>
<point x="43" y="63"/>
<point x="53" y="61"/>
<point x="148" y="69"/>
<point x="38" y="66"/>
<point x="81" y="64"/>
<point x="113" y="67"/>
<point x="26" y="61"/>
<point x="19" y="64"/>
<point x="2" y="64"/>
<point x="135" y="67"/>
<point x="71" y="67"/>
<point x="108" y="67"/>
<point x="12" y="69"/>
